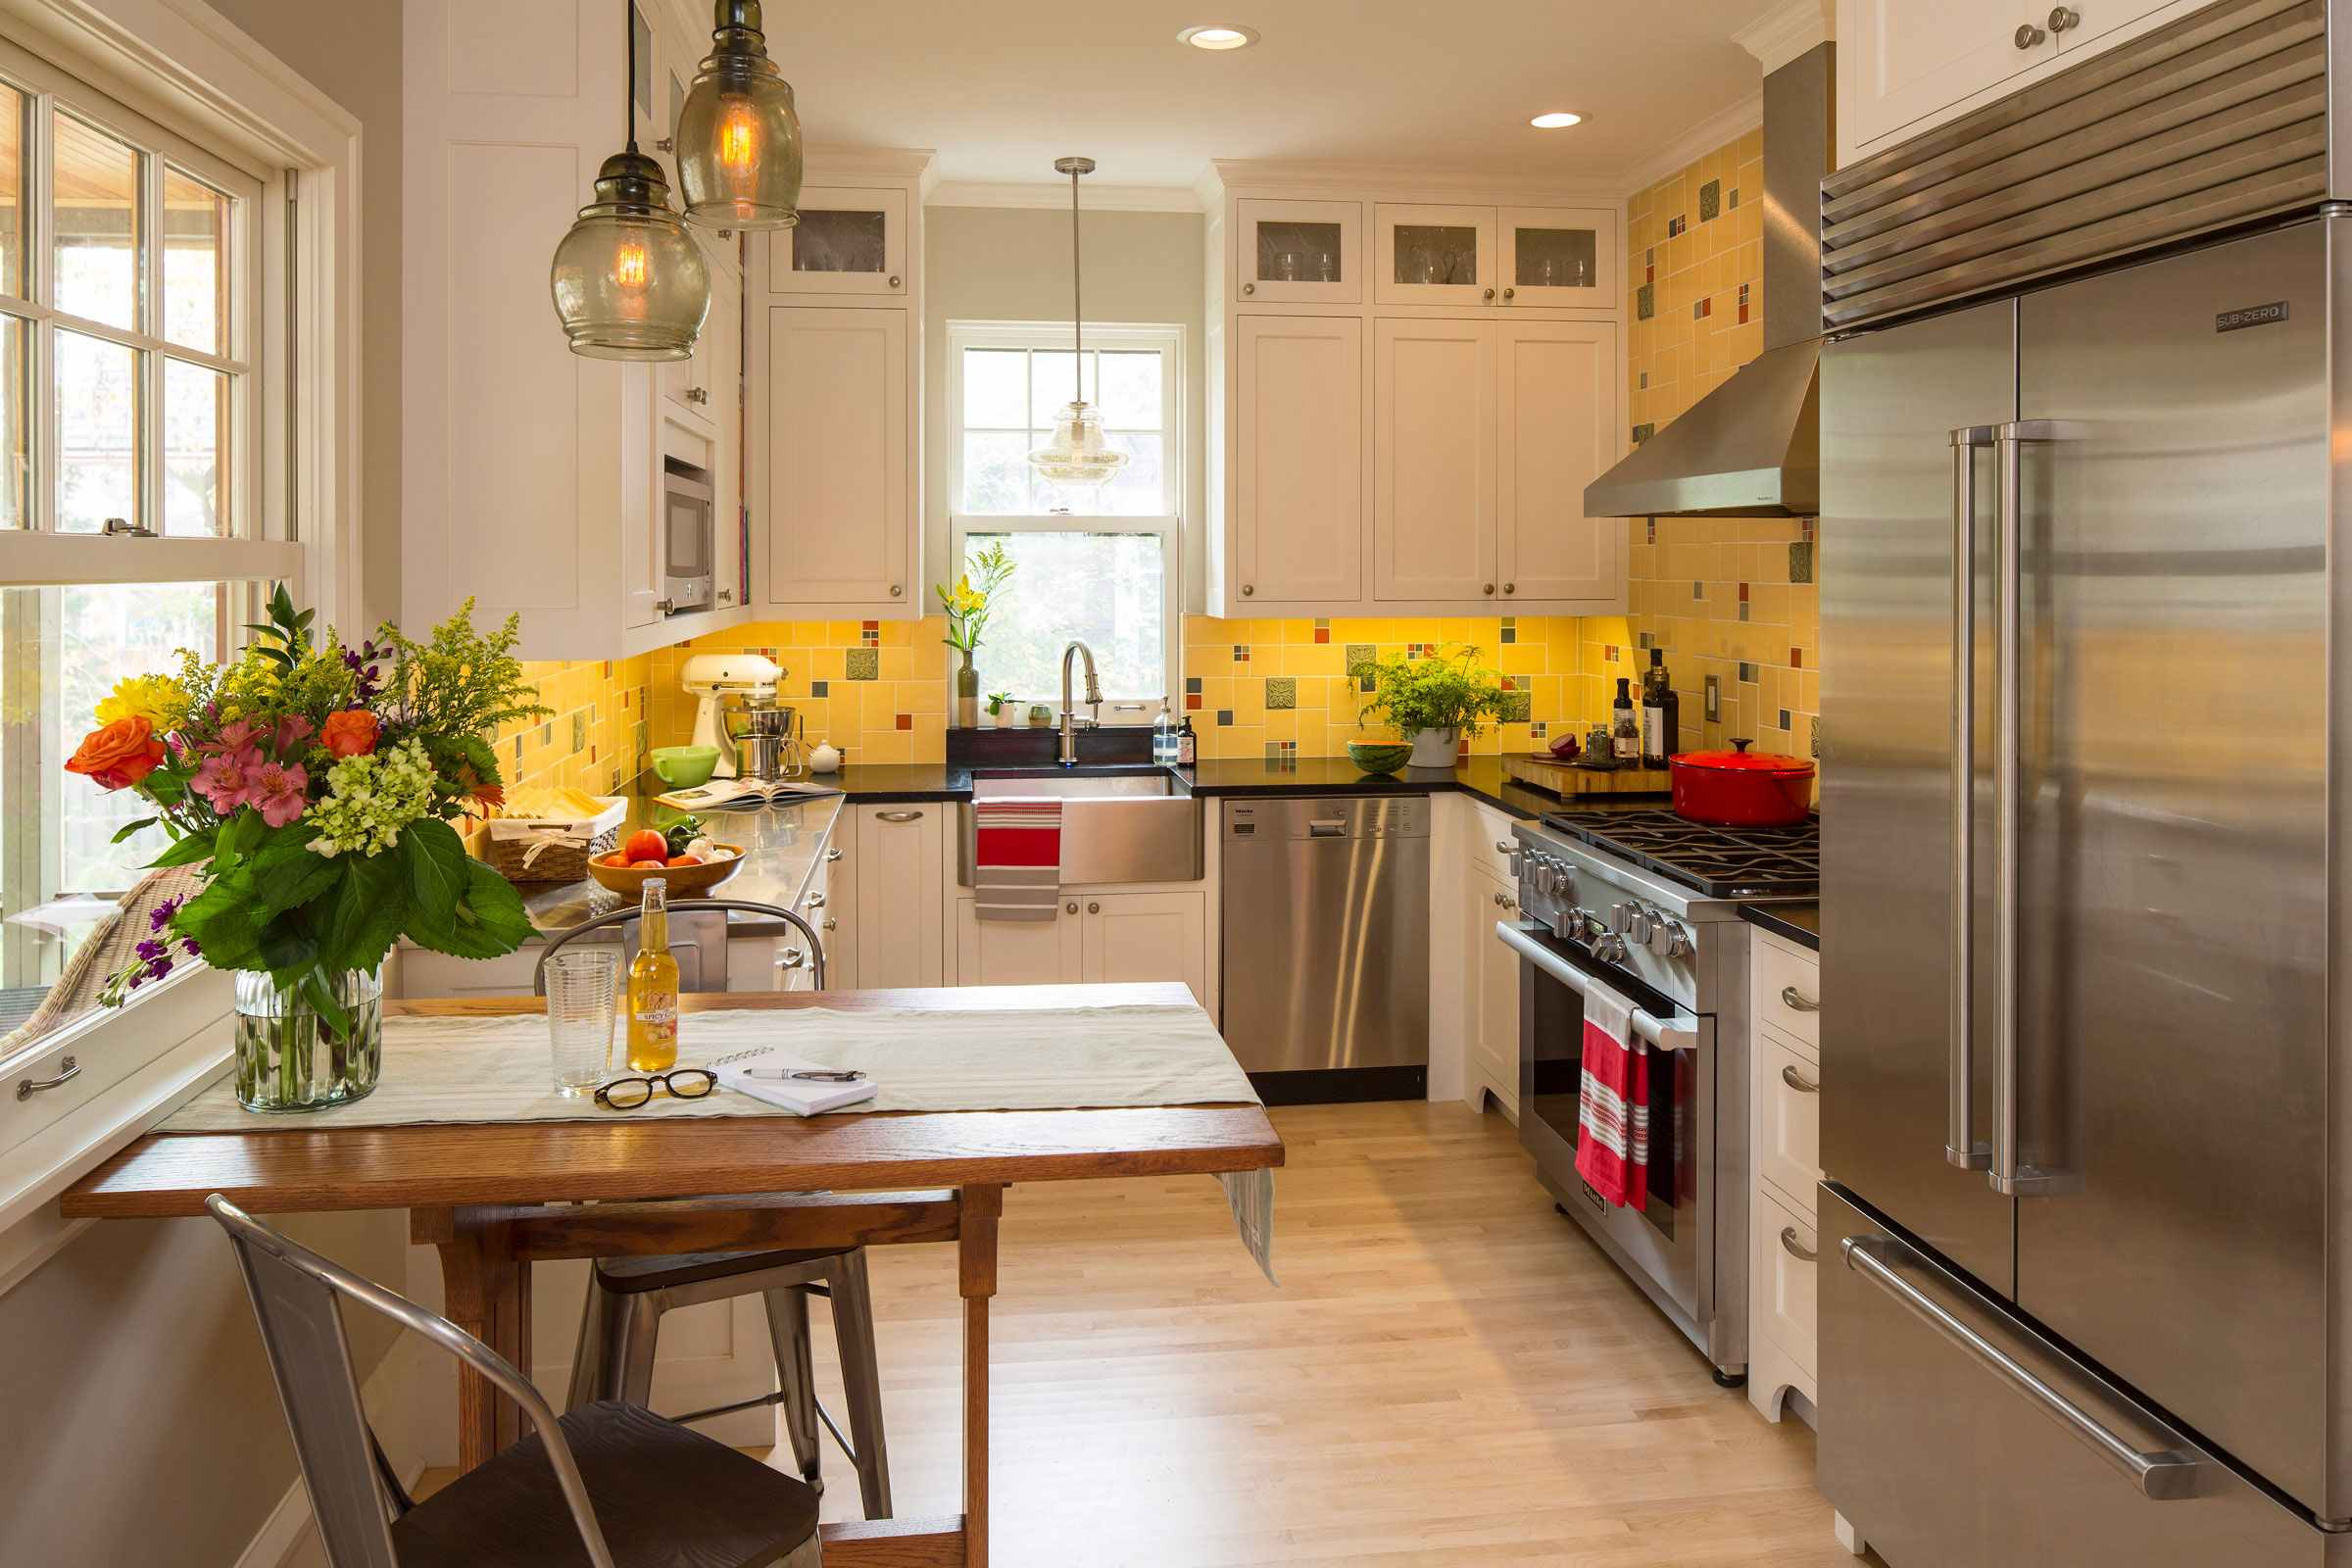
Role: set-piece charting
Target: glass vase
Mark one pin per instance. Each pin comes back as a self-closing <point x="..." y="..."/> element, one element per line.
<point x="967" y="693"/>
<point x="289" y="1059"/>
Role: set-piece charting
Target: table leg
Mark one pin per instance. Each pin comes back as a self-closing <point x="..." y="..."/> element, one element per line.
<point x="976" y="1282"/>
<point x="486" y="1292"/>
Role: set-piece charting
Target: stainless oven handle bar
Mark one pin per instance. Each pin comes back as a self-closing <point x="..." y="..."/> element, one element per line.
<point x="1961" y="1145"/>
<point x="2009" y="1175"/>
<point x="1665" y="1034"/>
<point x="2164" y="1476"/>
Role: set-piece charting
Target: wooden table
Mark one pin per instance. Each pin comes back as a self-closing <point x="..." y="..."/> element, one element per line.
<point x="478" y="1192"/>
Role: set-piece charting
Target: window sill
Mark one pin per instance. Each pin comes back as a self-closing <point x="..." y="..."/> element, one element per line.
<point x="139" y="1063"/>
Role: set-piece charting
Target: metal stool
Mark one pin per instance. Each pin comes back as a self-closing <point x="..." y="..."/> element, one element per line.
<point x="623" y="1319"/>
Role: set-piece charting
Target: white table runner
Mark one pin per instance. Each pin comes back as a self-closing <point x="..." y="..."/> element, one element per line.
<point x="1059" y="1058"/>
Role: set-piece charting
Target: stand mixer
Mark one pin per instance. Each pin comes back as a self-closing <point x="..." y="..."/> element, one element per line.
<point x="717" y="680"/>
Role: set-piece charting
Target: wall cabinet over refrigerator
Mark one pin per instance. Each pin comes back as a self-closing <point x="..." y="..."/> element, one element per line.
<point x="835" y="470"/>
<point x="533" y="477"/>
<point x="1404" y="413"/>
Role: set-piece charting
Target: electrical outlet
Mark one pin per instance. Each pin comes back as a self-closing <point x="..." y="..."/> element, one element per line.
<point x="1714" y="698"/>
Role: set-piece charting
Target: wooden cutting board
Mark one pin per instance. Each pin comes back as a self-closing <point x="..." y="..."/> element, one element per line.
<point x="1562" y="779"/>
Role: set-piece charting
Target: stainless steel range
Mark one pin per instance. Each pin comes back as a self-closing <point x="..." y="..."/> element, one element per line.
<point x="1640" y="901"/>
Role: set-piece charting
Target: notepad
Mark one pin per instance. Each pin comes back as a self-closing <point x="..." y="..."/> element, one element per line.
<point x="802" y="1097"/>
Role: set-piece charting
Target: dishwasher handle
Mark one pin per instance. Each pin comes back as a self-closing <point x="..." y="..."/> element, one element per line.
<point x="1327" y="827"/>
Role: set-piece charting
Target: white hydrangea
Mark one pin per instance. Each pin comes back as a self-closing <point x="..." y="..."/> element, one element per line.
<point x="371" y="798"/>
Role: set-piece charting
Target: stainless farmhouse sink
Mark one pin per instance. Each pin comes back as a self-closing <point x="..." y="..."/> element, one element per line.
<point x="1117" y="824"/>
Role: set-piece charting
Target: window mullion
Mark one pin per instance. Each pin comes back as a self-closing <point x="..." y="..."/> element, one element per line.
<point x="150" y="318"/>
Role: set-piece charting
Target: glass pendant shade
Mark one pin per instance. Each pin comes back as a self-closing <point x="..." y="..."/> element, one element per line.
<point x="629" y="282"/>
<point x="738" y="138"/>
<point x="1078" y="454"/>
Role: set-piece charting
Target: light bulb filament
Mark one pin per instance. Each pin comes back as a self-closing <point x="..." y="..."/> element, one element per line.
<point x="738" y="141"/>
<point x="630" y="266"/>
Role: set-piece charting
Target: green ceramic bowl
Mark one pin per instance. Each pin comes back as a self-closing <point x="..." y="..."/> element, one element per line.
<point x="682" y="767"/>
<point x="1378" y="757"/>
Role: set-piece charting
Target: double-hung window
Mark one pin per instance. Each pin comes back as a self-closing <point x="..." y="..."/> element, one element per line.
<point x="1097" y="564"/>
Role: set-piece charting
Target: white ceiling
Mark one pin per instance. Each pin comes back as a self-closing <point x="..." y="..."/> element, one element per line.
<point x="1002" y="87"/>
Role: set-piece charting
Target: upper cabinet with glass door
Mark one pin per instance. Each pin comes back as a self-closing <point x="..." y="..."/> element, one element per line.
<point x="849" y="241"/>
<point x="1530" y="258"/>
<point x="1299" y="253"/>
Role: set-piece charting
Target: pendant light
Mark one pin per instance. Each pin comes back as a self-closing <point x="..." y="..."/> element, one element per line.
<point x="630" y="281"/>
<point x="739" y="140"/>
<point x="1078" y="454"/>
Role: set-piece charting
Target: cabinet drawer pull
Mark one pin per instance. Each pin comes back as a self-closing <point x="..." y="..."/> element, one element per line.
<point x="1070" y="907"/>
<point x="1796" y="1081"/>
<point x="829" y="922"/>
<point x="1504" y="846"/>
<point x="1094" y="908"/>
<point x="1798" y="1001"/>
<point x="816" y="901"/>
<point x="1796" y="1248"/>
<point x="2028" y="35"/>
<point x="26" y="1087"/>
<point x="898" y="817"/>
<point x="696" y="394"/>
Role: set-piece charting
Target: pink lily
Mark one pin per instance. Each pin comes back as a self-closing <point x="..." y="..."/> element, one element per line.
<point x="232" y="738"/>
<point x="290" y="729"/>
<point x="279" y="792"/>
<point x="226" y="779"/>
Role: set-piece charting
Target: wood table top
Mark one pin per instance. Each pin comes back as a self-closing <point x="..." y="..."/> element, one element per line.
<point x="280" y="1167"/>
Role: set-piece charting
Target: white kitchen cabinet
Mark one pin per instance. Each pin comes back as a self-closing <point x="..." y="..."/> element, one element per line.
<point x="1020" y="953"/>
<point x="1788" y="1116"/>
<point x="1094" y="938"/>
<point x="1784" y="1133"/>
<point x="531" y="476"/>
<point x="900" y="917"/>
<point x="1905" y="67"/>
<point x="1787" y="1262"/>
<point x="1426" y="254"/>
<point x="1299" y="253"/>
<point x="1485" y="434"/>
<point x="1557" y="258"/>
<point x="1299" y="481"/>
<point x="837" y="922"/>
<point x="1494" y="993"/>
<point x="1513" y="257"/>
<point x="834" y="503"/>
<point x="849" y="240"/>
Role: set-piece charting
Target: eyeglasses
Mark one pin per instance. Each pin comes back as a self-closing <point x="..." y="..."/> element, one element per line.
<point x="680" y="1083"/>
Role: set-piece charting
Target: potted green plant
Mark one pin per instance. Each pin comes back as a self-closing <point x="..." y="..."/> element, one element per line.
<point x="1433" y="700"/>
<point x="996" y="702"/>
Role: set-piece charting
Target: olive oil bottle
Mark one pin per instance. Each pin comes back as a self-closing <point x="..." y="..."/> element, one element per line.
<point x="654" y="986"/>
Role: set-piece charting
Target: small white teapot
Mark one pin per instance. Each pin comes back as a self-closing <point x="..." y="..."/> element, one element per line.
<point x="825" y="759"/>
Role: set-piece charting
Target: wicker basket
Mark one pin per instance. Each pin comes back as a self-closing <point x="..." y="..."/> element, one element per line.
<point x="527" y="849"/>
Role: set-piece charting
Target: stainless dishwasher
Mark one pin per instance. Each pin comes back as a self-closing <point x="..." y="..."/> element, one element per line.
<point x="1326" y="946"/>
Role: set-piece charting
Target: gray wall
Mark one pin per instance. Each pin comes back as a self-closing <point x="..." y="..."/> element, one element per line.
<point x="352" y="53"/>
<point x="998" y="264"/>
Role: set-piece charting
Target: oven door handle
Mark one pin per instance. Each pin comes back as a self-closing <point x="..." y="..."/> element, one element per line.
<point x="1671" y="1034"/>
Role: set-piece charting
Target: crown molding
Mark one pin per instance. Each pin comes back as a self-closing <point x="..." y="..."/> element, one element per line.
<point x="1787" y="31"/>
<point x="1093" y="198"/>
<point x="892" y="162"/>
<point x="1439" y="184"/>
<point x="1695" y="143"/>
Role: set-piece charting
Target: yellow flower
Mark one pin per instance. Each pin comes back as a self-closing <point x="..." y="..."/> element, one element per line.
<point x="158" y="698"/>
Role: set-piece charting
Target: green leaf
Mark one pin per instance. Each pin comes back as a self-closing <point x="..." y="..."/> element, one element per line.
<point x="323" y="1000"/>
<point x="188" y="851"/>
<point x="243" y="835"/>
<point x="223" y="920"/>
<point x="286" y="874"/>
<point x="435" y="860"/>
<point x="288" y="949"/>
<point x="489" y="923"/>
<point x="359" y="920"/>
<point x="128" y="828"/>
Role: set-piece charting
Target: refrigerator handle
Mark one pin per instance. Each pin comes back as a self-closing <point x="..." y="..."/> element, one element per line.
<point x="1961" y="1146"/>
<point x="2161" y="1476"/>
<point x="2009" y="1176"/>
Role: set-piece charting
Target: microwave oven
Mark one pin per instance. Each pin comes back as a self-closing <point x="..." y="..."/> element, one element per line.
<point x="689" y="539"/>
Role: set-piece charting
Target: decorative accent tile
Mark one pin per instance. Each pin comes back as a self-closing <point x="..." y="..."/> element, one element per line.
<point x="818" y="688"/>
<point x="1192" y="685"/>
<point x="1783" y="718"/>
<point x="1743" y="608"/>
<point x="1747" y="671"/>
<point x="1710" y="201"/>
<point x="1366" y="683"/>
<point x="1241" y="652"/>
<point x="1796" y="658"/>
<point x="547" y="733"/>
<point x="579" y="732"/>
<point x="861" y="664"/>
<point x="1647" y="642"/>
<point x="1800" y="561"/>
<point x="870" y="633"/>
<point x="608" y="674"/>
<point x="1224" y="716"/>
<point x="1731" y="198"/>
<point x="1191" y="702"/>
<point x="1698" y="589"/>
<point x="1539" y="729"/>
<point x="1643" y="432"/>
<point x="1744" y="304"/>
<point x="1608" y="653"/>
<point x="518" y="751"/>
<point x="1517" y="706"/>
<point x="1704" y="309"/>
<point x="1645" y="302"/>
<point x="1654" y="533"/>
<point x="1282" y="691"/>
<point x="1714" y="700"/>
<point x="905" y="721"/>
<point x="1805" y="527"/>
<point x="637" y="737"/>
<point x="1510" y="629"/>
<point x="1282" y="751"/>
<point x="1322" y="634"/>
<point x="1362" y="654"/>
<point x="1817" y="735"/>
<point x="1677" y="224"/>
<point x="1645" y="380"/>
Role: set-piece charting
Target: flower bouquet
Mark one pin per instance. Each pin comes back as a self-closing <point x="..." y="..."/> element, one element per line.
<point x="311" y="788"/>
<point x="967" y="607"/>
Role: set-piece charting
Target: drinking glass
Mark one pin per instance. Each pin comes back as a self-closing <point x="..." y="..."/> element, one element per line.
<point x="581" y="989"/>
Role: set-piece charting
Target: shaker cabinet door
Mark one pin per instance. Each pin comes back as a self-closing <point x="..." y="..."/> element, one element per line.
<point x="1298" y="487"/>
<point x="1903" y="62"/>
<point x="1432" y="477"/>
<point x="838" y="502"/>
<point x="848" y="241"/>
<point x="1555" y="430"/>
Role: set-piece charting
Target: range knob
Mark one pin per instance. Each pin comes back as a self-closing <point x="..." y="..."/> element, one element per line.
<point x="1643" y="921"/>
<point x="1610" y="949"/>
<point x="1621" y="918"/>
<point x="1669" y="940"/>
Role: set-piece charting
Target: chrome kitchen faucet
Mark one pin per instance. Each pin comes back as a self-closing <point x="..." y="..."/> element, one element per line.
<point x="1094" y="698"/>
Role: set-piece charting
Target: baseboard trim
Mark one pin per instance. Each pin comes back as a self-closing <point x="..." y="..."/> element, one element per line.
<point x="390" y="1397"/>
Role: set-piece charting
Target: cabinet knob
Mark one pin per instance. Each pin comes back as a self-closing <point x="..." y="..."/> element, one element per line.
<point x="2028" y="35"/>
<point x="1249" y="288"/>
<point x="894" y="280"/>
<point x="727" y="595"/>
<point x="1510" y="293"/>
<point x="696" y="394"/>
<point x="790" y="958"/>
<point x="2065" y="20"/>
<point x="664" y="606"/>
<point x="828" y="923"/>
<point x="1510" y="587"/>
<point x="1490" y="296"/>
<point x="1489" y="587"/>
<point x="817" y="900"/>
<point x="833" y="854"/>
<point x="1071" y="907"/>
<point x="1247" y="590"/>
<point x="667" y="144"/>
<point x="897" y="592"/>
<point x="1094" y="908"/>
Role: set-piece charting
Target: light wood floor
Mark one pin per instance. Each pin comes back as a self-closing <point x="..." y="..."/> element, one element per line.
<point x="1451" y="1375"/>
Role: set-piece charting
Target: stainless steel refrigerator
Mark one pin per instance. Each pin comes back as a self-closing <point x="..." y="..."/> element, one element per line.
<point x="2087" y="1220"/>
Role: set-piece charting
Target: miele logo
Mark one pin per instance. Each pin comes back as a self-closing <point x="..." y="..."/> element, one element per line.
<point x="2251" y="315"/>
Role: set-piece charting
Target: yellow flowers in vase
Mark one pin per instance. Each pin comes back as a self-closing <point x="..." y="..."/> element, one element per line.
<point x="966" y="609"/>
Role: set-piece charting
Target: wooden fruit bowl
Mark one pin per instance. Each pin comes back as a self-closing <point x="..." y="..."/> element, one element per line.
<point x="685" y="881"/>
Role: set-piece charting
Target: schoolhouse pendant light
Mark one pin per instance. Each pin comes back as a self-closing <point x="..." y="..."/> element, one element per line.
<point x="630" y="281"/>
<point x="1078" y="454"/>
<point x="739" y="140"/>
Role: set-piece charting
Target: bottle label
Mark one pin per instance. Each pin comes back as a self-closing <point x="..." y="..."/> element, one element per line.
<point x="659" y="1017"/>
<point x="1653" y="731"/>
<point x="1183" y="750"/>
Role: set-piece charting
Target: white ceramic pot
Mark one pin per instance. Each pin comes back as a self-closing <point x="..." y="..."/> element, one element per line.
<point x="1434" y="748"/>
<point x="825" y="759"/>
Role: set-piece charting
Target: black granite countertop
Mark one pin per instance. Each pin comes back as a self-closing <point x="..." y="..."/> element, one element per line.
<point x="1799" y="922"/>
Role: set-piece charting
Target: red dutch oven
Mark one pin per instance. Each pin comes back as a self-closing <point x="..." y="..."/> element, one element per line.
<point x="1740" y="788"/>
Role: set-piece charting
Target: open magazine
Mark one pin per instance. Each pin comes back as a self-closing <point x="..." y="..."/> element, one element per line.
<point x="737" y="794"/>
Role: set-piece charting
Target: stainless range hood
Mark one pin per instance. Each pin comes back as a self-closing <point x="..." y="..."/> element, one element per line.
<point x="1751" y="448"/>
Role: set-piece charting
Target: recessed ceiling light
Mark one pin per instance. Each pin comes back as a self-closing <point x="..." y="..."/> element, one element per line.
<point x="1554" y="122"/>
<point x="1218" y="38"/>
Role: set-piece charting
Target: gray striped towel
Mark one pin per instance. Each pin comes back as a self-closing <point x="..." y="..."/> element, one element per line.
<point x="1016" y="870"/>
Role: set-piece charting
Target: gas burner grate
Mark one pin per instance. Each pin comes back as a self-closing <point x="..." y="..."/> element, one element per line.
<point x="1718" y="862"/>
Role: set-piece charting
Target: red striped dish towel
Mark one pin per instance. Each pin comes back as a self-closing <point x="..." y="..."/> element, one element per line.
<point x="1017" y="867"/>
<point x="1613" y="1116"/>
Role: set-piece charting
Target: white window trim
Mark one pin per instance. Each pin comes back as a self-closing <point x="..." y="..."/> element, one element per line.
<point x="187" y="69"/>
<point x="1168" y="341"/>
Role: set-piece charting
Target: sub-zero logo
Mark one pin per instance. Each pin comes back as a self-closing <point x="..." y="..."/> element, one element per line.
<point x="2251" y="315"/>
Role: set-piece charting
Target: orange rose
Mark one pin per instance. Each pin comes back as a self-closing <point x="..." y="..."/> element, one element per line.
<point x="350" y="732"/>
<point x="120" y="754"/>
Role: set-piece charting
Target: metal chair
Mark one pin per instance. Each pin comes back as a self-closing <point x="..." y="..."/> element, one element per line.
<point x="688" y="908"/>
<point x="629" y="1296"/>
<point x="666" y="1495"/>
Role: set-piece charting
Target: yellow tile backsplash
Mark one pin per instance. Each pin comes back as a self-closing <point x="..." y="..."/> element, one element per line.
<point x="596" y="738"/>
<point x="878" y="690"/>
